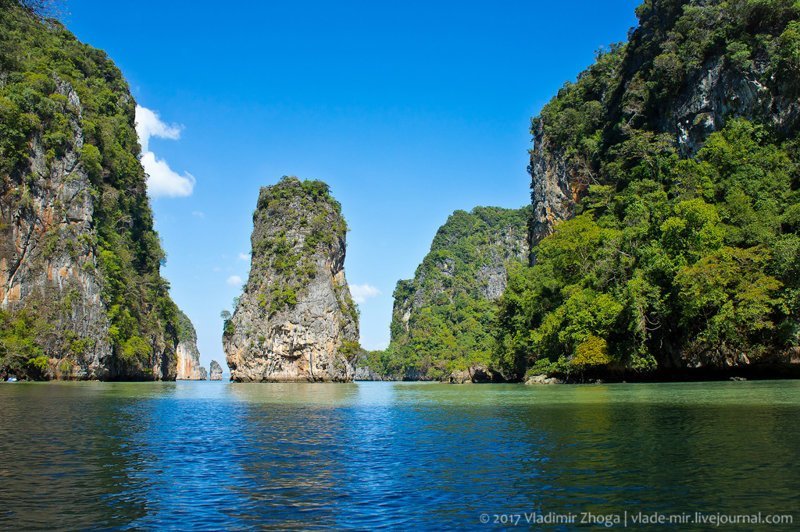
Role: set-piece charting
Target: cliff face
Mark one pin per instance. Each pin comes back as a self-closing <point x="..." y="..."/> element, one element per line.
<point x="188" y="354"/>
<point x="81" y="296"/>
<point x="441" y="318"/>
<point x="48" y="265"/>
<point x="680" y="78"/>
<point x="295" y="320"/>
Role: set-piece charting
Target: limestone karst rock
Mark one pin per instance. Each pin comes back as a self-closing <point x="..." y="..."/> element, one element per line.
<point x="216" y="371"/>
<point x="693" y="112"/>
<point x="188" y="354"/>
<point x="295" y="320"/>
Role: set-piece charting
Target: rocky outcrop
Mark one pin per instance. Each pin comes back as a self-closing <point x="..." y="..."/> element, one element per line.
<point x="556" y="185"/>
<point x="363" y="368"/>
<point x="543" y="379"/>
<point x="295" y="320"/>
<point x="719" y="91"/>
<point x="365" y="373"/>
<point x="474" y="374"/>
<point x="81" y="295"/>
<point x="216" y="371"/>
<point x="441" y="319"/>
<point x="203" y="373"/>
<point x="188" y="355"/>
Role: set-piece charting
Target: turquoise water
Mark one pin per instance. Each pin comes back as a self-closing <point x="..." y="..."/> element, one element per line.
<point x="226" y="456"/>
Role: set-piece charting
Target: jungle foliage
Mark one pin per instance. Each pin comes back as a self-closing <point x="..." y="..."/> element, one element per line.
<point x="676" y="256"/>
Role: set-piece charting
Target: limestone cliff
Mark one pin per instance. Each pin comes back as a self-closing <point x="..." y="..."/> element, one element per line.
<point x="216" y="371"/>
<point x="81" y="296"/>
<point x="441" y="319"/>
<point x="188" y="354"/>
<point x="664" y="183"/>
<point x="295" y="320"/>
<point x="678" y="80"/>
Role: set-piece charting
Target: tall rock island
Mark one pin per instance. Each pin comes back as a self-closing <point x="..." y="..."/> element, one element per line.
<point x="441" y="322"/>
<point x="295" y="320"/>
<point x="216" y="371"/>
<point x="81" y="294"/>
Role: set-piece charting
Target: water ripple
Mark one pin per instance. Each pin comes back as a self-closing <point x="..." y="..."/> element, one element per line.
<point x="213" y="456"/>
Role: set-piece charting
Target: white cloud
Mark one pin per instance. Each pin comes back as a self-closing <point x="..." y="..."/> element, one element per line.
<point x="162" y="181"/>
<point x="244" y="256"/>
<point x="362" y="292"/>
<point x="148" y="124"/>
<point x="198" y="214"/>
<point x="234" y="280"/>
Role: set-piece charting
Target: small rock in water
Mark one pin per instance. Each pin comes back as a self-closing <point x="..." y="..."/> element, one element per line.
<point x="543" y="379"/>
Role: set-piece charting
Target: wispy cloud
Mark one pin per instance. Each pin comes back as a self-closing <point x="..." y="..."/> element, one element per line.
<point x="162" y="181"/>
<point x="148" y="124"/>
<point x="234" y="280"/>
<point x="362" y="292"/>
<point x="244" y="256"/>
<point x="198" y="214"/>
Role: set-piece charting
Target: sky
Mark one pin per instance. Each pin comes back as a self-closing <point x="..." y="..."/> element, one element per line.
<point x="408" y="110"/>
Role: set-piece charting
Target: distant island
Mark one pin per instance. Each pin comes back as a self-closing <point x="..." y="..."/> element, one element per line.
<point x="661" y="241"/>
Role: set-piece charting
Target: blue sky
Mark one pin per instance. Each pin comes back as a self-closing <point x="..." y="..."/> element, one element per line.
<point x="408" y="110"/>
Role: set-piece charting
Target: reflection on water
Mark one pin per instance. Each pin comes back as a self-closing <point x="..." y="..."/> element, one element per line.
<point x="304" y="394"/>
<point x="220" y="455"/>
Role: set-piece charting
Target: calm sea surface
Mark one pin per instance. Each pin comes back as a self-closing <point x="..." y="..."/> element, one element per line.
<point x="202" y="455"/>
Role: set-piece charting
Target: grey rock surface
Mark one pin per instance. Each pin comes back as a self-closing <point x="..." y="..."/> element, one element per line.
<point x="543" y="379"/>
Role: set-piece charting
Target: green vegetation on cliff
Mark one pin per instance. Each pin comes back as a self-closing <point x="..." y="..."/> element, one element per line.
<point x="442" y="318"/>
<point x="185" y="328"/>
<point x="41" y="66"/>
<point x="684" y="249"/>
